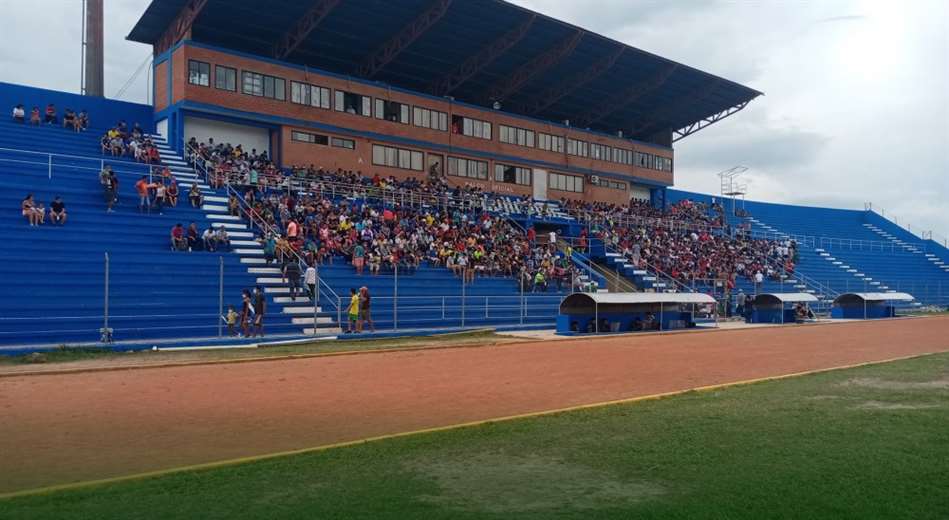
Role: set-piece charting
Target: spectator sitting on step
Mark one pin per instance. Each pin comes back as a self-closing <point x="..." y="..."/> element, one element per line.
<point x="192" y="235"/>
<point x="194" y="195"/>
<point x="178" y="240"/>
<point x="209" y="239"/>
<point x="35" y="116"/>
<point x="69" y="120"/>
<point x="57" y="211"/>
<point x="19" y="114"/>
<point x="137" y="132"/>
<point x="171" y="193"/>
<point x="31" y="211"/>
<point x="221" y="239"/>
<point x="50" y="118"/>
<point x="83" y="120"/>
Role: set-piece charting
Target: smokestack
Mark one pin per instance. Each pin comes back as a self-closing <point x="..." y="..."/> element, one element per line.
<point x="93" y="49"/>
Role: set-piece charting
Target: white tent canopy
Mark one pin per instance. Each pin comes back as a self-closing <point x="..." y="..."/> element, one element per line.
<point x="785" y="298"/>
<point x="854" y="298"/>
<point x="633" y="298"/>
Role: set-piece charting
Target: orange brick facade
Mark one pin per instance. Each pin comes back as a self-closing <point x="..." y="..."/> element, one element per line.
<point x="435" y="144"/>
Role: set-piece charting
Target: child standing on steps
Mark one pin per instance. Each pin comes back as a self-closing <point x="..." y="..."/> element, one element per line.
<point x="353" y="311"/>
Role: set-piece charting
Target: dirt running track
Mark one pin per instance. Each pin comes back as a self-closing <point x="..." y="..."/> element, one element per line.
<point x="64" y="428"/>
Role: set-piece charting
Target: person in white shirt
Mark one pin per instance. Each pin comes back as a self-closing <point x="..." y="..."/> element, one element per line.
<point x="309" y="278"/>
<point x="759" y="279"/>
<point x="209" y="239"/>
<point x="19" y="114"/>
<point x="553" y="238"/>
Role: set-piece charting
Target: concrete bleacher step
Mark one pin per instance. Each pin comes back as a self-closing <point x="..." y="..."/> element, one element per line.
<point x="263" y="270"/>
<point x="308" y="320"/>
<point x="222" y="216"/>
<point x="213" y="207"/>
<point x="253" y="261"/>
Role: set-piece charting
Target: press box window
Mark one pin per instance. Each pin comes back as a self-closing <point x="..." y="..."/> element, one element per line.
<point x="199" y="73"/>
<point x="225" y="78"/>
<point x="518" y="136"/>
<point x="353" y="103"/>
<point x="305" y="137"/>
<point x="392" y="111"/>
<point x="425" y="118"/>
<point x="396" y="157"/>
<point x="312" y="95"/>
<point x="566" y="182"/>
<point x="339" y="142"/>
<point x="552" y="143"/>
<point x="471" y="127"/>
<point x="263" y="86"/>
<point x="467" y="168"/>
<point x="512" y="174"/>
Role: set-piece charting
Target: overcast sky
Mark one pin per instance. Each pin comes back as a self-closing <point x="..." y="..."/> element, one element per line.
<point x="856" y="104"/>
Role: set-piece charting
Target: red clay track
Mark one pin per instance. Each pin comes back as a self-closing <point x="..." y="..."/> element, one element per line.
<point x="56" y="429"/>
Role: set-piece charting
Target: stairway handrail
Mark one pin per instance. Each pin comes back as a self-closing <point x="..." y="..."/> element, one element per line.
<point x="267" y="228"/>
<point x="921" y="234"/>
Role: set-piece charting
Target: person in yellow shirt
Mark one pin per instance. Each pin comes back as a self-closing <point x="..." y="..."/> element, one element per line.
<point x="353" y="311"/>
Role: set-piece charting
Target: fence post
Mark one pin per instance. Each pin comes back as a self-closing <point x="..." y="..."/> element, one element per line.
<point x="443" y="307"/>
<point x="50" y="163"/>
<point x="523" y="309"/>
<point x="395" y="296"/>
<point x="106" y="335"/>
<point x="339" y="312"/>
<point x="220" y="298"/>
<point x="463" y="289"/>
<point x="316" y="295"/>
<point x="485" y="306"/>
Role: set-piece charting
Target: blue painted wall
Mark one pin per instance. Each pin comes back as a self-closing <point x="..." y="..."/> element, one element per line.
<point x="102" y="112"/>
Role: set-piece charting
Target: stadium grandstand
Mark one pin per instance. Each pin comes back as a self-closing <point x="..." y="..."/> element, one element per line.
<point x="320" y="167"/>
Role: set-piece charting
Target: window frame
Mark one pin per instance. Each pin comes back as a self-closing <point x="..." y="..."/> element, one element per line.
<point x="399" y="158"/>
<point x="191" y="73"/>
<point x="217" y="77"/>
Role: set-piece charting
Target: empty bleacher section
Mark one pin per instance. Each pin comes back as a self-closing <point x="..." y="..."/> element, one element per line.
<point x="850" y="250"/>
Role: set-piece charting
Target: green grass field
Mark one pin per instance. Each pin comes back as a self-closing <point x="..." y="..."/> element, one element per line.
<point x="871" y="442"/>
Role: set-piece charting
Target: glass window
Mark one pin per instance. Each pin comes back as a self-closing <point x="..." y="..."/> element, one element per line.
<point x="225" y="78"/>
<point x="353" y="103"/>
<point x="512" y="174"/>
<point x="263" y="86"/>
<point x="396" y="157"/>
<point x="306" y="137"/>
<point x="199" y="73"/>
<point x="339" y="142"/>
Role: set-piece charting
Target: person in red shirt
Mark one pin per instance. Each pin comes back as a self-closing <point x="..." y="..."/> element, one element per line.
<point x="142" y="188"/>
<point x="531" y="234"/>
<point x="50" y="114"/>
<point x="178" y="241"/>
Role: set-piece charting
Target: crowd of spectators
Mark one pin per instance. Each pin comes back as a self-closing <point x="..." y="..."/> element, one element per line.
<point x="455" y="227"/>
<point x="121" y="141"/>
<point x="76" y="121"/>
<point x="689" y="243"/>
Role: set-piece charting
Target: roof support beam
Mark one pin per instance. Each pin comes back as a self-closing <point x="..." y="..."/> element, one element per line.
<point x="567" y="86"/>
<point x="180" y="27"/>
<point x="484" y="57"/>
<point x="398" y="43"/>
<point x="302" y="28"/>
<point x="624" y="98"/>
<point x="708" y="121"/>
<point x="529" y="70"/>
<point x="653" y="121"/>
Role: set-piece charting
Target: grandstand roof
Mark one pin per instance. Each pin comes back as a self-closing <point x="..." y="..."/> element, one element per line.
<point x="477" y="51"/>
